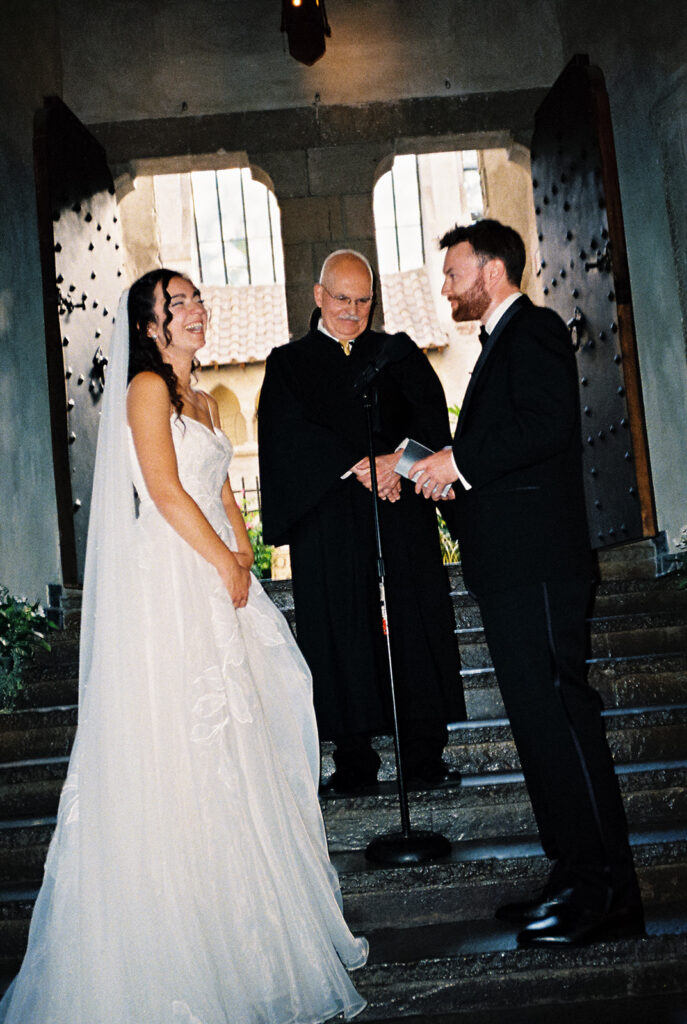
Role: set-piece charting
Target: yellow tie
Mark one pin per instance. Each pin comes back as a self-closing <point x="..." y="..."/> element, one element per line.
<point x="346" y="346"/>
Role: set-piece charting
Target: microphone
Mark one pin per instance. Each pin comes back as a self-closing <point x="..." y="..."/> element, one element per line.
<point x="395" y="348"/>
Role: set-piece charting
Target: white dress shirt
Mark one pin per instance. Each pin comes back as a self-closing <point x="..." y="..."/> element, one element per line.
<point x="489" y="327"/>
<point x="329" y="334"/>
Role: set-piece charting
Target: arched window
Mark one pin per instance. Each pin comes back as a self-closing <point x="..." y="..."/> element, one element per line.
<point x="408" y="198"/>
<point x="398" y="217"/>
<point x="237" y="228"/>
<point x="233" y="423"/>
<point x="414" y="204"/>
<point x="221" y="227"/>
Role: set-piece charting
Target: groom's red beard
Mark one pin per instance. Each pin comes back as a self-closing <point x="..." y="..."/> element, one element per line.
<point x="472" y="304"/>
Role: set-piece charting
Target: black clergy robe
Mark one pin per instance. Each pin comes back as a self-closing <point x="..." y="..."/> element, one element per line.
<point x="312" y="429"/>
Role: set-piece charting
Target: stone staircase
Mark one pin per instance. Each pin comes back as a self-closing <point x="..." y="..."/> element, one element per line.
<point x="437" y="953"/>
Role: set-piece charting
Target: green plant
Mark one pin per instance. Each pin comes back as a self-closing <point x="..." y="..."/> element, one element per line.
<point x="449" y="546"/>
<point x="453" y="414"/>
<point x="262" y="553"/>
<point x="22" y="633"/>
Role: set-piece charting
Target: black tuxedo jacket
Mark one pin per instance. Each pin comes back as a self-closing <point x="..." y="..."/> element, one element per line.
<point x="518" y="444"/>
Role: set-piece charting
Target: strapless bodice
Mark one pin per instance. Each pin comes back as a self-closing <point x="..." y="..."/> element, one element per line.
<point x="203" y="458"/>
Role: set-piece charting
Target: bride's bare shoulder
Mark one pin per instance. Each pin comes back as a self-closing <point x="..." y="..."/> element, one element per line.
<point x="148" y="383"/>
<point x="147" y="394"/>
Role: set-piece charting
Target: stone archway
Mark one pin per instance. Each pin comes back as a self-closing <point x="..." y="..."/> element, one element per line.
<point x="233" y="420"/>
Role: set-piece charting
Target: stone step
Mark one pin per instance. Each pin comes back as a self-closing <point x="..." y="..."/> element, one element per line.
<point x="62" y="659"/>
<point x="613" y="613"/>
<point x="635" y="562"/>
<point x="613" y="596"/>
<point x="634" y="681"/>
<point x="659" y="1008"/>
<point x="604" y="584"/>
<point x="472" y="973"/>
<point x="37" y="732"/>
<point x="31" y="786"/>
<point x="23" y="848"/>
<point x="34" y="745"/>
<point x="649" y="634"/>
<point x="491" y="805"/>
<point x="452" y="973"/>
<point x="478" y="807"/>
<point x="50" y="692"/>
<point x="638" y="679"/>
<point x="652" y="733"/>
<point x="479" y="875"/>
<point x="460" y="892"/>
<point x="619" y="598"/>
<point x="625" y="568"/>
<point x="634" y="615"/>
<point x="667" y="606"/>
<point x="621" y="637"/>
<point x="440" y="969"/>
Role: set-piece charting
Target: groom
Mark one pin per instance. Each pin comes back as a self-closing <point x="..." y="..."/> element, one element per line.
<point x="515" y="466"/>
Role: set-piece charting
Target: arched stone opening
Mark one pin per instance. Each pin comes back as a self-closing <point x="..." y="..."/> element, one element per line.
<point x="233" y="421"/>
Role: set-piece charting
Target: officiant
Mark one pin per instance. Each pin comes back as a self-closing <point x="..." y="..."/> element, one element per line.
<point x="315" y="480"/>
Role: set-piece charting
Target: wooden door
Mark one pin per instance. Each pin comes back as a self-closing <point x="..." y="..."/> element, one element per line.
<point x="82" y="279"/>
<point x="585" y="276"/>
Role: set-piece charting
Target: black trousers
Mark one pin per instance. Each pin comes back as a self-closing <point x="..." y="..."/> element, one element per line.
<point x="537" y="637"/>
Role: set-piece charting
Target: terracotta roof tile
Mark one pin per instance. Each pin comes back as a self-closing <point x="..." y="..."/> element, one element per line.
<point x="409" y="307"/>
<point x="246" y="323"/>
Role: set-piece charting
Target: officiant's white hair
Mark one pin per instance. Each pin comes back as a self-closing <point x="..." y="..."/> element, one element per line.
<point x="345" y="252"/>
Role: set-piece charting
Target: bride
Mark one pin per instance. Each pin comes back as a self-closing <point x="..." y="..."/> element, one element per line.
<point x="188" y="880"/>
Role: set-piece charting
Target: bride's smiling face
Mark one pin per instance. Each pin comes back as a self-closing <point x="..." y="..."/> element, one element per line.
<point x="189" y="318"/>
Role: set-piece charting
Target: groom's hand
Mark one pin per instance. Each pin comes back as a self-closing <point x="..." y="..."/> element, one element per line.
<point x="433" y="474"/>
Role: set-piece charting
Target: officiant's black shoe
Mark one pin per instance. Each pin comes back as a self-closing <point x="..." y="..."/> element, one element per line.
<point x="428" y="774"/>
<point x="344" y="781"/>
<point x="572" y="925"/>
<point x="532" y="910"/>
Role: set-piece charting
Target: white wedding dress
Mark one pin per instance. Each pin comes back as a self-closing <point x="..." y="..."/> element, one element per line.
<point x="188" y="880"/>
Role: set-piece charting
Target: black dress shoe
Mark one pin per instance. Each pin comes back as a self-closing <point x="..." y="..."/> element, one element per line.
<point x="532" y="910"/>
<point x="343" y="781"/>
<point x="429" y="773"/>
<point x="571" y="925"/>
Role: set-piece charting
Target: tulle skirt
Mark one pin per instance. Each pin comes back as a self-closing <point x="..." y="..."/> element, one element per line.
<point x="188" y="880"/>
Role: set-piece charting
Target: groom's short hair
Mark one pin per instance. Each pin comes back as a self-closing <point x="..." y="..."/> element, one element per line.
<point x="491" y="240"/>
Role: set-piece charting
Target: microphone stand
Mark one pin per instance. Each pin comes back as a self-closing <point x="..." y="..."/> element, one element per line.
<point x="406" y="846"/>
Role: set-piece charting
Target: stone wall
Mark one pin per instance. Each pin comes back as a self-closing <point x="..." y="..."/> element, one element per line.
<point x="29" y="550"/>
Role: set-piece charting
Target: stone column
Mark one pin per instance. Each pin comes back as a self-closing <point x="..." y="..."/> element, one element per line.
<point x="325" y="198"/>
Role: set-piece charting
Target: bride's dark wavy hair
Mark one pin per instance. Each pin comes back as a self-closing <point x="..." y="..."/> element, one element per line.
<point x="143" y="351"/>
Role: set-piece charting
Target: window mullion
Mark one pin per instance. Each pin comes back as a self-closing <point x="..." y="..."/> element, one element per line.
<point x="195" y="230"/>
<point x="245" y="228"/>
<point x="393" y="199"/>
<point x="221" y="229"/>
<point x="419" y="207"/>
<point x="269" y="221"/>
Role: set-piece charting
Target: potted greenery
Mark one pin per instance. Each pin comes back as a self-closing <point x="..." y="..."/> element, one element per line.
<point x="262" y="553"/>
<point x="22" y="633"/>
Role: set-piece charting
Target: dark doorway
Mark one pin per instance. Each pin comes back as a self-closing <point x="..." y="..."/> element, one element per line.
<point x="80" y="262"/>
<point x="586" y="280"/>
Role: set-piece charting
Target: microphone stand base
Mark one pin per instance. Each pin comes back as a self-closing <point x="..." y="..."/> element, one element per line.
<point x="417" y="847"/>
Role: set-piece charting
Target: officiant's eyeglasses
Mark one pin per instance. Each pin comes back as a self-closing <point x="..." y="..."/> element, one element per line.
<point x="344" y="300"/>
